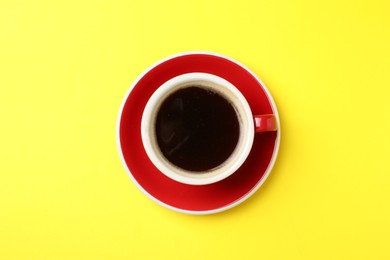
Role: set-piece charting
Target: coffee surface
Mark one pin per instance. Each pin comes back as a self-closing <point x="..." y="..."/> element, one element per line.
<point x="196" y="129"/>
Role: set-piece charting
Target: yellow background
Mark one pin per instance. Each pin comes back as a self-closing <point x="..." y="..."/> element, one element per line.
<point x="66" y="65"/>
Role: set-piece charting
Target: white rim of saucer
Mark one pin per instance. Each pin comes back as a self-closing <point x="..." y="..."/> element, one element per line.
<point x="230" y="205"/>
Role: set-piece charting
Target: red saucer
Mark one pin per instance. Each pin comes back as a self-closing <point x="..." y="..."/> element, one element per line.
<point x="194" y="199"/>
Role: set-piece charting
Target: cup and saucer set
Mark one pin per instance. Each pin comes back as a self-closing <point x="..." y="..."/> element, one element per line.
<point x="198" y="133"/>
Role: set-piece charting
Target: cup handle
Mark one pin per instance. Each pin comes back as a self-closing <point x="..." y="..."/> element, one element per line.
<point x="265" y="123"/>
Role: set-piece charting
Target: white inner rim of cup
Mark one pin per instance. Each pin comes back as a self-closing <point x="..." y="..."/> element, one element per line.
<point x="225" y="89"/>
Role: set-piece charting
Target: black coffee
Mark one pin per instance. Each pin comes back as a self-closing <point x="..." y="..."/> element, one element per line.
<point x="196" y="129"/>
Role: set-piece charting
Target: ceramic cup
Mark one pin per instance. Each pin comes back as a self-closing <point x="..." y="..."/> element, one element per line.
<point x="249" y="125"/>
